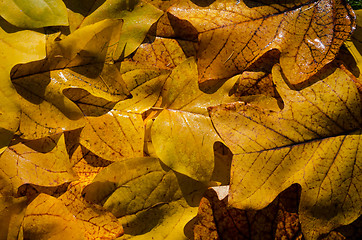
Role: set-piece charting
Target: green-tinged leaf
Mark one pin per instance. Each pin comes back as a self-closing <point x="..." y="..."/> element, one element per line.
<point x="16" y="47"/>
<point x="146" y="84"/>
<point x="114" y="136"/>
<point x="12" y="212"/>
<point x="313" y="141"/>
<point x="137" y="16"/>
<point x="34" y="13"/>
<point x="183" y="128"/>
<point x="93" y="43"/>
<point x="47" y="218"/>
<point x="148" y="198"/>
<point x="22" y="165"/>
<point x="184" y="142"/>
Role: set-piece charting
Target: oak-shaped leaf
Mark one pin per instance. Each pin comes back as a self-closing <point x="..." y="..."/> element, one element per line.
<point x="234" y="34"/>
<point x="182" y="134"/>
<point x="313" y="141"/>
<point x="149" y="199"/>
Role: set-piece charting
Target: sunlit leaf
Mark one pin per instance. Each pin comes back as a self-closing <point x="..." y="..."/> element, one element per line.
<point x="234" y="34"/>
<point x="34" y="13"/>
<point x="320" y="127"/>
<point x="150" y="199"/>
<point x="14" y="50"/>
<point x="22" y="165"/>
<point x="114" y="136"/>
<point x="48" y="218"/>
<point x="137" y="16"/>
<point x="183" y="128"/>
<point x="96" y="222"/>
<point x="161" y="53"/>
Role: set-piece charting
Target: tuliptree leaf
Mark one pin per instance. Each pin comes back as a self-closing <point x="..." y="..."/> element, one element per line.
<point x="138" y="17"/>
<point x="232" y="35"/>
<point x="149" y="199"/>
<point x="23" y="165"/>
<point x="183" y="127"/>
<point x="313" y="141"/>
<point x="34" y="13"/>
<point x="14" y="50"/>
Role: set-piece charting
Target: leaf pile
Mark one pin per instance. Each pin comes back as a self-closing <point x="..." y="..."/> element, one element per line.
<point x="179" y="119"/>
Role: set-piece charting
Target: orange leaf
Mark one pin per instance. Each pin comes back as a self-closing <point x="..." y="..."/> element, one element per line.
<point x="234" y="34"/>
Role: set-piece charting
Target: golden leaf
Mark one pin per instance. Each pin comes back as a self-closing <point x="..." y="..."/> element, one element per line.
<point x="234" y="34"/>
<point x="314" y="141"/>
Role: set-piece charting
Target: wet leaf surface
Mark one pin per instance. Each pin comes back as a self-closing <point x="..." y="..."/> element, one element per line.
<point x="234" y="34"/>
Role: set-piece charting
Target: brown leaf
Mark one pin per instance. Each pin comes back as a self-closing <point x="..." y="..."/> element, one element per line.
<point x="215" y="220"/>
<point x="234" y="34"/>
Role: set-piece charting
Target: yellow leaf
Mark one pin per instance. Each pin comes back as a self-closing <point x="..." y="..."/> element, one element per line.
<point x="44" y="108"/>
<point x="22" y="165"/>
<point x="114" y="136"/>
<point x="96" y="222"/>
<point x="313" y="141"/>
<point x="148" y="198"/>
<point x="184" y="142"/>
<point x="12" y="212"/>
<point x="48" y="218"/>
<point x="137" y="17"/>
<point x="234" y="34"/>
<point x="16" y="47"/>
<point x="34" y="13"/>
<point x="183" y="128"/>
<point x="93" y="43"/>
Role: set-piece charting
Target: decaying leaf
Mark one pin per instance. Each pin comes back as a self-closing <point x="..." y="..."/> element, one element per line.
<point x="277" y="221"/>
<point x="314" y="141"/>
<point x="234" y="34"/>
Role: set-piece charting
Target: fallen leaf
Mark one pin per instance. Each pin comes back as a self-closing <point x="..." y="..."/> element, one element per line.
<point x="34" y="13"/>
<point x="12" y="212"/>
<point x="320" y="127"/>
<point x="137" y="16"/>
<point x="22" y="165"/>
<point x="183" y="128"/>
<point x="96" y="222"/>
<point x="114" y="136"/>
<point x="148" y="198"/>
<point x="48" y="218"/>
<point x="14" y="51"/>
<point x="279" y="220"/>
<point x="160" y="53"/>
<point x="234" y="34"/>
